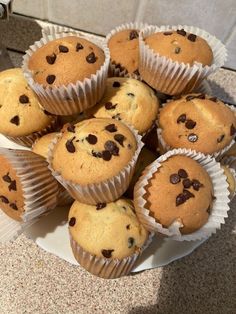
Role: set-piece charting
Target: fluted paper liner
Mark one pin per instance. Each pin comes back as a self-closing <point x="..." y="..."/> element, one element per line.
<point x="28" y="140"/>
<point x="230" y="162"/>
<point x="74" y="97"/>
<point x="107" y="268"/>
<point x="116" y="69"/>
<point x="172" y="77"/>
<point x="105" y="191"/>
<point x="40" y="191"/>
<point x="167" y="147"/>
<point x="220" y="205"/>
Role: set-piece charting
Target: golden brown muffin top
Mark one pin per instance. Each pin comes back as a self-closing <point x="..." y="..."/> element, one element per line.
<point x="41" y="145"/>
<point x="65" y="60"/>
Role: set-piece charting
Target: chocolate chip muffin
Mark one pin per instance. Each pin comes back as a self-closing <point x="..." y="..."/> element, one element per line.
<point x="198" y="122"/>
<point x="41" y="146"/>
<point x="181" y="46"/>
<point x="180" y="190"/>
<point x="93" y="150"/>
<point x="124" y="49"/>
<point x="21" y="116"/>
<point x="65" y="60"/>
<point x="129" y="100"/>
<point x="107" y="230"/>
<point x="230" y="179"/>
<point x="27" y="188"/>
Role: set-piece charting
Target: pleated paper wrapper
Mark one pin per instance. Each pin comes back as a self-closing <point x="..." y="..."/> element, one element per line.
<point x="105" y="191"/>
<point x="40" y="191"/>
<point x="172" y="77"/>
<point x="72" y="98"/>
<point x="230" y="162"/>
<point x="107" y="268"/>
<point x="165" y="147"/>
<point x="220" y="204"/>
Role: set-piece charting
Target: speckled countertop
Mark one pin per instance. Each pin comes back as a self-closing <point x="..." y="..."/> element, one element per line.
<point x="33" y="281"/>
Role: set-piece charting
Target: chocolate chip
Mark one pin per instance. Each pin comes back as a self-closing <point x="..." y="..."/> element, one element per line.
<point x="13" y="206"/>
<point x="117" y="116"/>
<point x="213" y="99"/>
<point x="70" y="146"/>
<point x="196" y="185"/>
<point x="181" y="118"/>
<point x="106" y="155"/>
<point x="133" y="34"/>
<point x="174" y="178"/>
<point x="187" y="183"/>
<point x="180" y="199"/>
<point x="190" y="97"/>
<point x="100" y="206"/>
<point x="192" y="137"/>
<point x="72" y="222"/>
<point x="50" y="78"/>
<point x="116" y="84"/>
<point x="107" y="253"/>
<point x="79" y="47"/>
<point x="181" y="32"/>
<point x="7" y="178"/>
<point x="130" y="94"/>
<point x="112" y="148"/>
<point x="4" y="199"/>
<point x="63" y="49"/>
<point x="208" y="210"/>
<point x="182" y="173"/>
<point x="187" y="194"/>
<point x="91" y="58"/>
<point x="12" y="186"/>
<point x="51" y="59"/>
<point x="15" y="120"/>
<point x="177" y="50"/>
<point x="129" y="146"/>
<point x="130" y="242"/>
<point x="192" y="37"/>
<point x="232" y="130"/>
<point x="96" y="154"/>
<point x="111" y="128"/>
<point x="190" y="124"/>
<point x="167" y="33"/>
<point x="119" y="138"/>
<point x="92" y="139"/>
<point x="110" y="106"/>
<point x="136" y="72"/>
<point x="71" y="128"/>
<point x="23" y="99"/>
<point x="220" y="139"/>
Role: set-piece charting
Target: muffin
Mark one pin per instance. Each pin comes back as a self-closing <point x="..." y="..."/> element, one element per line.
<point x="230" y="175"/>
<point x="14" y="118"/>
<point x="124" y="50"/>
<point x="198" y="122"/>
<point x="175" y="59"/>
<point x="182" y="194"/>
<point x="106" y="238"/>
<point x="68" y="73"/>
<point x="181" y="46"/>
<point x="41" y="147"/>
<point x="128" y="100"/>
<point x="28" y="189"/>
<point x="94" y="159"/>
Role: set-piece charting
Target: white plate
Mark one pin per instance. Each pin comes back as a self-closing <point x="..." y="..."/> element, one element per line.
<point x="51" y="234"/>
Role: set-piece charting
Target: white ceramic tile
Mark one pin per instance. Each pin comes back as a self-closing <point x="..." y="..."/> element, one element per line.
<point x="231" y="46"/>
<point x="92" y="15"/>
<point x="215" y="16"/>
<point x="36" y="8"/>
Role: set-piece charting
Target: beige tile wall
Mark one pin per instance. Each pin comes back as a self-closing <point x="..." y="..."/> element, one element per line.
<point x="99" y="16"/>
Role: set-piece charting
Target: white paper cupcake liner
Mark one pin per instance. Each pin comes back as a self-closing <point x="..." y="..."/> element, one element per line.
<point x="40" y="189"/>
<point x="107" y="268"/>
<point x="167" y="147"/>
<point x="28" y="140"/>
<point x="73" y="98"/>
<point x="230" y="161"/>
<point x="114" y="68"/>
<point x="105" y="191"/>
<point x="220" y="204"/>
<point x="171" y="77"/>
